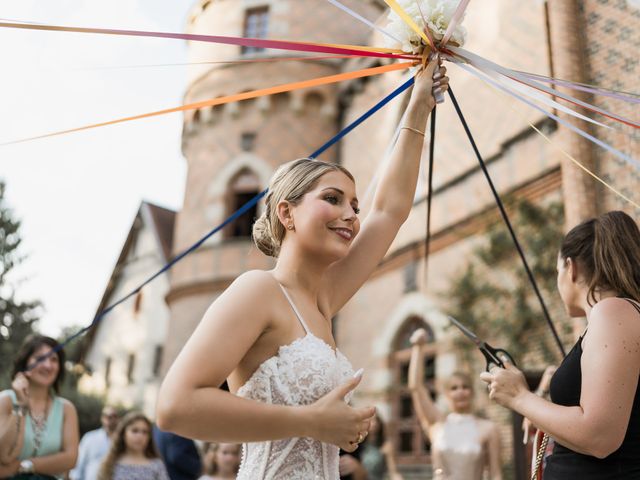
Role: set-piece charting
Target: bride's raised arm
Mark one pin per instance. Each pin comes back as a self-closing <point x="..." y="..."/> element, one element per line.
<point x="393" y="198"/>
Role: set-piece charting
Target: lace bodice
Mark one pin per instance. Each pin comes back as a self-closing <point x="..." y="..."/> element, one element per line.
<point x="458" y="453"/>
<point x="300" y="373"/>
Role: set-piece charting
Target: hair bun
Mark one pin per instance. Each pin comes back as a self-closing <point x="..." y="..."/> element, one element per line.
<point x="263" y="237"/>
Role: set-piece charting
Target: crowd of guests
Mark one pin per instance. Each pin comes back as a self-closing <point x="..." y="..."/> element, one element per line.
<point x="39" y="434"/>
<point x="39" y="437"/>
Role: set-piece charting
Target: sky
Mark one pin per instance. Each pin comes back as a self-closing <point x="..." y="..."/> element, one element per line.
<point x="77" y="194"/>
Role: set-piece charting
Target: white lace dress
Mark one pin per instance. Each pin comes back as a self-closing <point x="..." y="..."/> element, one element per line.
<point x="299" y="374"/>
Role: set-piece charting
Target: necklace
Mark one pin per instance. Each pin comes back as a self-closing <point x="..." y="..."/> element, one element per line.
<point x="39" y="423"/>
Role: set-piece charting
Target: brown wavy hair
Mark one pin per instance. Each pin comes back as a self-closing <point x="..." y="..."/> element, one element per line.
<point x="30" y="345"/>
<point x="119" y="447"/>
<point x="607" y="248"/>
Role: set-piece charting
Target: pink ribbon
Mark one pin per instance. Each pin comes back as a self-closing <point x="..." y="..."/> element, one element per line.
<point x="240" y="41"/>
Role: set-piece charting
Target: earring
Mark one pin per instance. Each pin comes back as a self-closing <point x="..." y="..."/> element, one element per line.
<point x="290" y="226"/>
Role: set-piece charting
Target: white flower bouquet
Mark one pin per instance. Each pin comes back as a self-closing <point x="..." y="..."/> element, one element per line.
<point x="432" y="14"/>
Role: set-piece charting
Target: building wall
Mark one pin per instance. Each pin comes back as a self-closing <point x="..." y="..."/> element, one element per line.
<point x="124" y="332"/>
<point x="613" y="40"/>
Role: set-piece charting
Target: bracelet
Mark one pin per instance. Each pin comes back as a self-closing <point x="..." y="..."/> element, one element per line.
<point x="26" y="466"/>
<point x="414" y="130"/>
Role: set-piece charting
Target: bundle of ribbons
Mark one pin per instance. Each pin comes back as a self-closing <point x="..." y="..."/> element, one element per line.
<point x="531" y="89"/>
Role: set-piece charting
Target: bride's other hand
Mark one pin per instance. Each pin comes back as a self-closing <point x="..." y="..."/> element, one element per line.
<point x="334" y="421"/>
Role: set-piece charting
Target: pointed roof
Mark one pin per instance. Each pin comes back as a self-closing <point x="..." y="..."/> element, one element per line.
<point x="161" y="220"/>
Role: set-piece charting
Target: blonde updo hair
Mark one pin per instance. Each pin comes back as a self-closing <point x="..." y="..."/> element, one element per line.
<point x="290" y="182"/>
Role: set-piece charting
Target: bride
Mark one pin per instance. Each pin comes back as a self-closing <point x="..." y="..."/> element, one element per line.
<point x="269" y="334"/>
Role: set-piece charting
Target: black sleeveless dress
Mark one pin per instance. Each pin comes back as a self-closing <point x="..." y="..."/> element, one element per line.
<point x="565" y="464"/>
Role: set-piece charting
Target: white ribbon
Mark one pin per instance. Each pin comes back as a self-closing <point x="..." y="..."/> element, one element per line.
<point x="604" y="145"/>
<point x="357" y="16"/>
<point x="477" y="61"/>
<point x="453" y="23"/>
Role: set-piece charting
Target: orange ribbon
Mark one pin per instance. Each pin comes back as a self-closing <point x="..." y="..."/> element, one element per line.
<point x="367" y="72"/>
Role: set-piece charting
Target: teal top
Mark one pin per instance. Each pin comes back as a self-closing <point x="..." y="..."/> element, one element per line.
<point x="52" y="435"/>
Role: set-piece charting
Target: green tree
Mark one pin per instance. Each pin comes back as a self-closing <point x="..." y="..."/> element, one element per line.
<point x="493" y="295"/>
<point x="17" y="317"/>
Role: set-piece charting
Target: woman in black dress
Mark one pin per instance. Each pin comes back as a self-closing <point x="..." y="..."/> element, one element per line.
<point x="594" y="412"/>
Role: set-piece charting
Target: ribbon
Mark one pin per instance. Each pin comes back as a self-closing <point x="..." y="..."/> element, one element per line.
<point x="240" y="41"/>
<point x="357" y="16"/>
<point x="409" y="21"/>
<point x="477" y="61"/>
<point x="583" y="168"/>
<point x="505" y="217"/>
<point x="225" y="62"/>
<point x="455" y="20"/>
<point x="427" y="237"/>
<point x="578" y="163"/>
<point x="530" y="92"/>
<point x="426" y="29"/>
<point x="234" y="98"/>
<point x="583" y="87"/>
<point x="366" y="115"/>
<point x="571" y="127"/>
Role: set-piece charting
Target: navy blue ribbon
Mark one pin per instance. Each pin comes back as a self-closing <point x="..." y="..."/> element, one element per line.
<point x="238" y="213"/>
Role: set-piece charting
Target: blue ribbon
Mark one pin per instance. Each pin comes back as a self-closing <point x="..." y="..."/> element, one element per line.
<point x="243" y="209"/>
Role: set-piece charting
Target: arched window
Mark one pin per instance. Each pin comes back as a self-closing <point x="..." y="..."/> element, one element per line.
<point x="313" y="102"/>
<point x="281" y="101"/>
<point x="242" y="188"/>
<point x="411" y="446"/>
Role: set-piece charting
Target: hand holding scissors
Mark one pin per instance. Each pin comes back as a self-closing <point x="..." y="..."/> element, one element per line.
<point x="496" y="357"/>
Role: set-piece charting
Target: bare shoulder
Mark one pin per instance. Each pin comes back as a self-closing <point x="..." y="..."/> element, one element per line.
<point x="255" y="287"/>
<point x="5" y="402"/>
<point x="68" y="406"/>
<point x="615" y="316"/>
<point x="258" y="279"/>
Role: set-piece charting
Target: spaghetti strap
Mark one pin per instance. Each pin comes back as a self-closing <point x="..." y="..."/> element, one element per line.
<point x="295" y="309"/>
<point x="635" y="305"/>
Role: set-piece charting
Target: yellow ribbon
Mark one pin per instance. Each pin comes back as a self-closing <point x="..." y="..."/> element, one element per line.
<point x="409" y="21"/>
<point x="585" y="169"/>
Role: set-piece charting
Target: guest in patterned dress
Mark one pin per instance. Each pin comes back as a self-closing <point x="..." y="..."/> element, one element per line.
<point x="133" y="455"/>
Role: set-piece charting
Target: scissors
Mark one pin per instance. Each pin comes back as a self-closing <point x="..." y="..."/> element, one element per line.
<point x="494" y="356"/>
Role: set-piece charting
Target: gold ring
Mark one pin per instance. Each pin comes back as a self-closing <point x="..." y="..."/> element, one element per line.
<point x="360" y="437"/>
